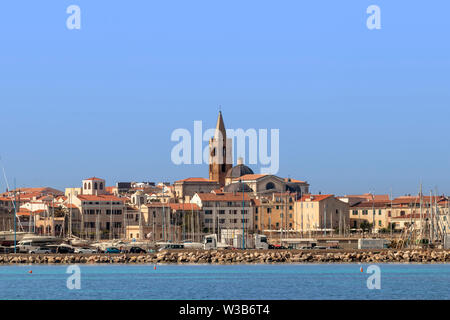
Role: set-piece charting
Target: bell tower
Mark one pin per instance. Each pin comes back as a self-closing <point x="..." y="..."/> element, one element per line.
<point x="220" y="155"/>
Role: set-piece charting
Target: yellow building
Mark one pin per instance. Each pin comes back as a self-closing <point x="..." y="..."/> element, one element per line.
<point x="321" y="214"/>
<point x="377" y="213"/>
<point x="275" y="213"/>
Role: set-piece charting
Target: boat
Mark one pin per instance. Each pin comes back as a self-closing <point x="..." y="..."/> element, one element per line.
<point x="32" y="241"/>
<point x="7" y="237"/>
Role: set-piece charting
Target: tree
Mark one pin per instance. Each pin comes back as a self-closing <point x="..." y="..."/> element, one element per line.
<point x="366" y="226"/>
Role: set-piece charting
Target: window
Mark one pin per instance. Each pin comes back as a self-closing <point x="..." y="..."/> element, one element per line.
<point x="101" y="185"/>
<point x="270" y="186"/>
<point x="95" y="185"/>
<point x="208" y="211"/>
<point x="221" y="211"/>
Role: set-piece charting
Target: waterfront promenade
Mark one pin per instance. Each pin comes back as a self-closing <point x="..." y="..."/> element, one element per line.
<point x="238" y="257"/>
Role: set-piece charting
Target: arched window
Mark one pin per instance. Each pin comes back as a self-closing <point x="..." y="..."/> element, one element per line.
<point x="224" y="151"/>
<point x="95" y="185"/>
<point x="213" y="152"/>
<point x="89" y="185"/>
<point x="270" y="186"/>
<point x="101" y="185"/>
<point x="85" y="186"/>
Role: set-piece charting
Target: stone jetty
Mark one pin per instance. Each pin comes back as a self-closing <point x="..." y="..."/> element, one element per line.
<point x="237" y="257"/>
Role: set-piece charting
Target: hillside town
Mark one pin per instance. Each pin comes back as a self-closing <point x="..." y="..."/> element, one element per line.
<point x="231" y="202"/>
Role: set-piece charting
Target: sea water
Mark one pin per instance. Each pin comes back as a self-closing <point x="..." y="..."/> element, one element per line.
<point x="254" y="282"/>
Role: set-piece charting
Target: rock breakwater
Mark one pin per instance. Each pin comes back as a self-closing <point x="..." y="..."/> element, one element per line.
<point x="237" y="257"/>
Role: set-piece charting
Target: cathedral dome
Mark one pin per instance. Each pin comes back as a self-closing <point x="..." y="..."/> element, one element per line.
<point x="239" y="170"/>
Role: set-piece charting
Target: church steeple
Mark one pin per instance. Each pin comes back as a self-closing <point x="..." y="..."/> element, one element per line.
<point x="220" y="158"/>
<point x="220" y="127"/>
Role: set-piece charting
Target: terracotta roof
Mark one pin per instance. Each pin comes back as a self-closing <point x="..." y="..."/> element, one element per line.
<point x="315" y="197"/>
<point x="368" y="196"/>
<point x="293" y="180"/>
<point x="416" y="199"/>
<point x="94" y="178"/>
<point x="370" y="204"/>
<point x="156" y="205"/>
<point x="70" y="205"/>
<point x="101" y="197"/>
<point x="223" y="197"/>
<point x="196" y="180"/>
<point x="250" y="177"/>
<point x="184" y="206"/>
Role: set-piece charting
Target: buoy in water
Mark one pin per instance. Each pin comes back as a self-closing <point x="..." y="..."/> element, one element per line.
<point x="31" y="271"/>
<point x="362" y="270"/>
<point x="154" y="267"/>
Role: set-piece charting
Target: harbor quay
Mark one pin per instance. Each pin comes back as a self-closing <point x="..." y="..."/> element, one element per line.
<point x="238" y="257"/>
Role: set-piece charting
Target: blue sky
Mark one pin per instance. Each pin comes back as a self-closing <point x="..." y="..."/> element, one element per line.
<point x="358" y="110"/>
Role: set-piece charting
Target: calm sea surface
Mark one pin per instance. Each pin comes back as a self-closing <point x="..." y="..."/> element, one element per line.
<point x="325" y="281"/>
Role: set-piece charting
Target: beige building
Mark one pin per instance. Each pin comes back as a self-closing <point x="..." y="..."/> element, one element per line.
<point x="225" y="211"/>
<point x="96" y="214"/>
<point x="377" y="213"/>
<point x="185" y="189"/>
<point x="321" y="214"/>
<point x="275" y="213"/>
<point x="266" y="184"/>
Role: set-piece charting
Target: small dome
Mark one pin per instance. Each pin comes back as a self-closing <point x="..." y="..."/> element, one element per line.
<point x="239" y="171"/>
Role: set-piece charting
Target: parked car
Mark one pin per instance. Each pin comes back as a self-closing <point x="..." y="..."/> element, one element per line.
<point x="85" y="250"/>
<point x="64" y="249"/>
<point x="276" y="246"/>
<point x="112" y="250"/>
<point x="171" y="246"/>
<point x="44" y="250"/>
<point x="7" y="250"/>
<point x="136" y="250"/>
